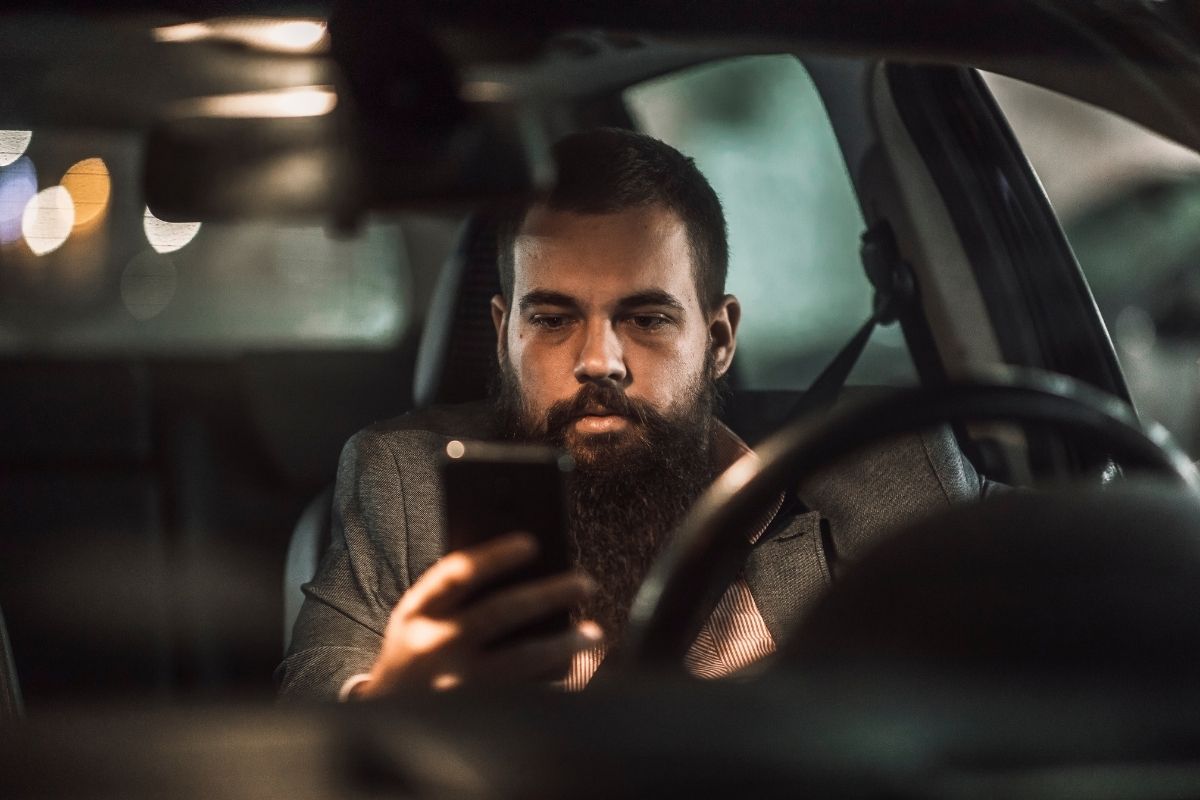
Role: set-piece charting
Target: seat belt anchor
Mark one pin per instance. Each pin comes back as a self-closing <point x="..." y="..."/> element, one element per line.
<point x="891" y="276"/>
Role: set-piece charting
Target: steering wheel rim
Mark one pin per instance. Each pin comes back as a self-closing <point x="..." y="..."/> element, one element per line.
<point x="665" y="616"/>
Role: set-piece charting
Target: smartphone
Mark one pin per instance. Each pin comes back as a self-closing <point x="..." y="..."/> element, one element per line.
<point x="491" y="489"/>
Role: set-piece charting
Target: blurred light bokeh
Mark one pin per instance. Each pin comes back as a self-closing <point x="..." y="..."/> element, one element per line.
<point x="90" y="187"/>
<point x="18" y="184"/>
<point x="262" y="33"/>
<point x="167" y="237"/>
<point x="48" y="219"/>
<point x="87" y="268"/>
<point x="13" y="145"/>
<point x="147" y="285"/>
<point x="305" y="101"/>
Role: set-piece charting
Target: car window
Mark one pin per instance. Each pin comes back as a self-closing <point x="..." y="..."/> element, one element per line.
<point x="758" y="130"/>
<point x="87" y="268"/>
<point x="1129" y="203"/>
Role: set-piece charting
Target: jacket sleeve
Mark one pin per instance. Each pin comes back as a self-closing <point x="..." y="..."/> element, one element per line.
<point x="365" y="570"/>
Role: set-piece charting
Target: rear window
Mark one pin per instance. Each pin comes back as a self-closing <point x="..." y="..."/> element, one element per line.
<point x="86" y="268"/>
<point x="758" y="130"/>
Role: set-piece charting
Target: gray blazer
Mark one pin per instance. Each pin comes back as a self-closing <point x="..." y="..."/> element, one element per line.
<point x="387" y="529"/>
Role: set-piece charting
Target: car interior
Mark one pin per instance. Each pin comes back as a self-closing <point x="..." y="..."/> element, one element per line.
<point x="279" y="226"/>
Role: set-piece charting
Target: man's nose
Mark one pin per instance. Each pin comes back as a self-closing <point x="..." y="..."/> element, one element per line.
<point x="601" y="355"/>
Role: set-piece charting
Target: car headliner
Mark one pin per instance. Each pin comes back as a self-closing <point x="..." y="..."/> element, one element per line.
<point x="1133" y="59"/>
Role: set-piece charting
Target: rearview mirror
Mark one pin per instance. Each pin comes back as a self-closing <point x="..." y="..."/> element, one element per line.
<point x="334" y="166"/>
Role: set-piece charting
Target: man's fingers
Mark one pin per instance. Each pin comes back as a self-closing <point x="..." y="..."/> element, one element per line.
<point x="510" y="609"/>
<point x="456" y="575"/>
<point x="546" y="658"/>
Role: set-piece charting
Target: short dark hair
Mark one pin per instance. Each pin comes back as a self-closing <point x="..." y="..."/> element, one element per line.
<point x="607" y="170"/>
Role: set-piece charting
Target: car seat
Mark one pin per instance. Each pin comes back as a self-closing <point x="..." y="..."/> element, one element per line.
<point x="455" y="361"/>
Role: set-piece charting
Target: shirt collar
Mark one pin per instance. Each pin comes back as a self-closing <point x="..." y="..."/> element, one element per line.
<point x="729" y="449"/>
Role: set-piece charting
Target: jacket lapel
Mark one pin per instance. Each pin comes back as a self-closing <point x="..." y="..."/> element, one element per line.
<point x="863" y="501"/>
<point x="788" y="572"/>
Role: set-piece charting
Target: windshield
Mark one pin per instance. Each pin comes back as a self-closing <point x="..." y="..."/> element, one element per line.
<point x="354" y="354"/>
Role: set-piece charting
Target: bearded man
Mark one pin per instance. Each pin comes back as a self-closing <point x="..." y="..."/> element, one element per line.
<point x="613" y="334"/>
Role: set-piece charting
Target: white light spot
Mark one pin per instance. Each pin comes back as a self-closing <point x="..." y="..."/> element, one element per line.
<point x="455" y="449"/>
<point x="13" y="145"/>
<point x="262" y="33"/>
<point x="295" y="35"/>
<point x="305" y="101"/>
<point x="48" y="219"/>
<point x="167" y="237"/>
<point x="147" y="285"/>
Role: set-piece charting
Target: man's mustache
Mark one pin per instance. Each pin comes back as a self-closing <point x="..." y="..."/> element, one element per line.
<point x="599" y="397"/>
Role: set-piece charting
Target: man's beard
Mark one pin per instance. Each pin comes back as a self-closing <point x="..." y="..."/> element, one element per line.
<point x="630" y="488"/>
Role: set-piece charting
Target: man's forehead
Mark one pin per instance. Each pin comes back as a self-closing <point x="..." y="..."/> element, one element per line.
<point x="622" y="253"/>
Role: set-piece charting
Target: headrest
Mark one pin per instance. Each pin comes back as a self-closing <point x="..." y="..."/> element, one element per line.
<point x="457" y="354"/>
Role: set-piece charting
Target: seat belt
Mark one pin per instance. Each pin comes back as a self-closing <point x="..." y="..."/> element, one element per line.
<point x="895" y="290"/>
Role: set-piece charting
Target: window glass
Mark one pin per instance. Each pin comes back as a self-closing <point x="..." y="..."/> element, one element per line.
<point x="85" y="267"/>
<point x="758" y="130"/>
<point x="1129" y="201"/>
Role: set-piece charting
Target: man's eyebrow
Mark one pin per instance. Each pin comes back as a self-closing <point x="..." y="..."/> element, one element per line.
<point x="545" y="297"/>
<point x="652" y="297"/>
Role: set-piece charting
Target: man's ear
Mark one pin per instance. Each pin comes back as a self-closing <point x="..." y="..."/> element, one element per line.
<point x="500" y="320"/>
<point x="722" y="333"/>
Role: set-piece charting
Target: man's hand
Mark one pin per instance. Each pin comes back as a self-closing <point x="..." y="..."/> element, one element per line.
<point x="433" y="639"/>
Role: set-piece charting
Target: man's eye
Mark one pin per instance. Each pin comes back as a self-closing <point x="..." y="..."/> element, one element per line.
<point x="550" y="322"/>
<point x="648" y="322"/>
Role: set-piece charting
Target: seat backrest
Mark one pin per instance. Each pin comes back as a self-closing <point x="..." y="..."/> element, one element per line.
<point x="10" y="688"/>
<point x="308" y="543"/>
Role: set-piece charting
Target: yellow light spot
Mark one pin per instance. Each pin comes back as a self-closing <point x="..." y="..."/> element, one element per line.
<point x="445" y="681"/>
<point x="48" y="219"/>
<point x="90" y="186"/>
<point x="455" y="449"/>
<point x="13" y="145"/>
<point x="187" y="32"/>
<point x="167" y="237"/>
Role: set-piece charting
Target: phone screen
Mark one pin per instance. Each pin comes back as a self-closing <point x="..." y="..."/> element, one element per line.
<point x="496" y="488"/>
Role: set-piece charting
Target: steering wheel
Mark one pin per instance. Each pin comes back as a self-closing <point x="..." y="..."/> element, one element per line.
<point x="709" y="545"/>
